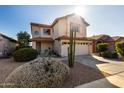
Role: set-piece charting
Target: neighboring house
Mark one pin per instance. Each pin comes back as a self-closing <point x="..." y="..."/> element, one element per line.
<point x="56" y="36"/>
<point x="104" y="39"/>
<point x="118" y="38"/>
<point x="7" y="45"/>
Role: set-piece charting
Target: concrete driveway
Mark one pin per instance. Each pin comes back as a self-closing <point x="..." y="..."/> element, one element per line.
<point x="88" y="60"/>
<point x="115" y="69"/>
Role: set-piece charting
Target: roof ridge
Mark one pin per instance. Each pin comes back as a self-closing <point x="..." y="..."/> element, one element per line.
<point x="56" y="19"/>
<point x="10" y="38"/>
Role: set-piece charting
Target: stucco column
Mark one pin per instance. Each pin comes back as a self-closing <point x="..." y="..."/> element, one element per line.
<point x="34" y="45"/>
<point x="94" y="46"/>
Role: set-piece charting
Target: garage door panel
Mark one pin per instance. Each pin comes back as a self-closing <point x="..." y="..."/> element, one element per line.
<point x="81" y="50"/>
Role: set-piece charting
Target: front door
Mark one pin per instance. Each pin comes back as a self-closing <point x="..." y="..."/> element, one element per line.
<point x="38" y="47"/>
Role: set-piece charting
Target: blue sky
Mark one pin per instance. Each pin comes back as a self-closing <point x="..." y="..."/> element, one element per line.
<point x="102" y="19"/>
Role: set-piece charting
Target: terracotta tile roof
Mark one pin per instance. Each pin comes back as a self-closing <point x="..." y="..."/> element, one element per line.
<point x="117" y="37"/>
<point x="102" y="37"/>
<point x="9" y="38"/>
<point x="77" y="38"/>
<point x="41" y="25"/>
<point x="97" y="36"/>
<point x="45" y="39"/>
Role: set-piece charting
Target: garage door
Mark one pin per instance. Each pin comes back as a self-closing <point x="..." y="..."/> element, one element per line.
<point x="82" y="50"/>
<point x="79" y="49"/>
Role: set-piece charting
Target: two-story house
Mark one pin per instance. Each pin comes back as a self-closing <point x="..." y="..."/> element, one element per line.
<point x="56" y="36"/>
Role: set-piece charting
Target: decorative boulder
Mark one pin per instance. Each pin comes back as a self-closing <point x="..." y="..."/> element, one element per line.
<point x="40" y="73"/>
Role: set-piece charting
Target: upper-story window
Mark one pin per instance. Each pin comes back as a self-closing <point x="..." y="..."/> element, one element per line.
<point x="46" y="31"/>
<point x="36" y="32"/>
<point x="75" y="27"/>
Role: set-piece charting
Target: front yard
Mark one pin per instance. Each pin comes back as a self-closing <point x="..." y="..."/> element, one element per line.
<point x="6" y="67"/>
<point x="80" y="74"/>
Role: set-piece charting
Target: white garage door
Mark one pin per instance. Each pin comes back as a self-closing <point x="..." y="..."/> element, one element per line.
<point x="80" y="50"/>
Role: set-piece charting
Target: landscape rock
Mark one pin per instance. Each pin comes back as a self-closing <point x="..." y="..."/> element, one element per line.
<point x="38" y="73"/>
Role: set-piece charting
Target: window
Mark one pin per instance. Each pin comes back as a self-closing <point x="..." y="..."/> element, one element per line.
<point x="36" y="32"/>
<point x="86" y="43"/>
<point x="46" y="31"/>
<point x="75" y="27"/>
<point x="64" y="43"/>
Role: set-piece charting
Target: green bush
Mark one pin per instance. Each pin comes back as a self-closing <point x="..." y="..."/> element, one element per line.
<point x="102" y="47"/>
<point x="109" y="54"/>
<point x="120" y="48"/>
<point x="25" y="54"/>
<point x="114" y="55"/>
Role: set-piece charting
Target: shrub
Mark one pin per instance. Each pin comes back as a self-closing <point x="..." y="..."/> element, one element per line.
<point x="109" y="54"/>
<point x="120" y="48"/>
<point x="20" y="47"/>
<point x="114" y="55"/>
<point x="102" y="47"/>
<point x="38" y="73"/>
<point x="25" y="54"/>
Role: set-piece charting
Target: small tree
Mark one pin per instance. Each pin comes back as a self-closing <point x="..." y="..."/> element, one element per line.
<point x="23" y="39"/>
<point x="120" y="48"/>
<point x="102" y="47"/>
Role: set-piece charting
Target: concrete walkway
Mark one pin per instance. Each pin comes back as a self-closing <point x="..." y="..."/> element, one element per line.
<point x="115" y="68"/>
<point x="106" y="60"/>
<point x="113" y="81"/>
<point x="101" y="83"/>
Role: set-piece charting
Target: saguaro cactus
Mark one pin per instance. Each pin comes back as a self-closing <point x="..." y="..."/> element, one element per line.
<point x="71" y="49"/>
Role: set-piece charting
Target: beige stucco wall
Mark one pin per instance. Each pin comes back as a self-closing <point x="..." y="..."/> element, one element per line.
<point x="34" y="44"/>
<point x="45" y="46"/>
<point x="55" y="33"/>
<point x="62" y="27"/>
<point x="57" y="47"/>
<point x="76" y="19"/>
